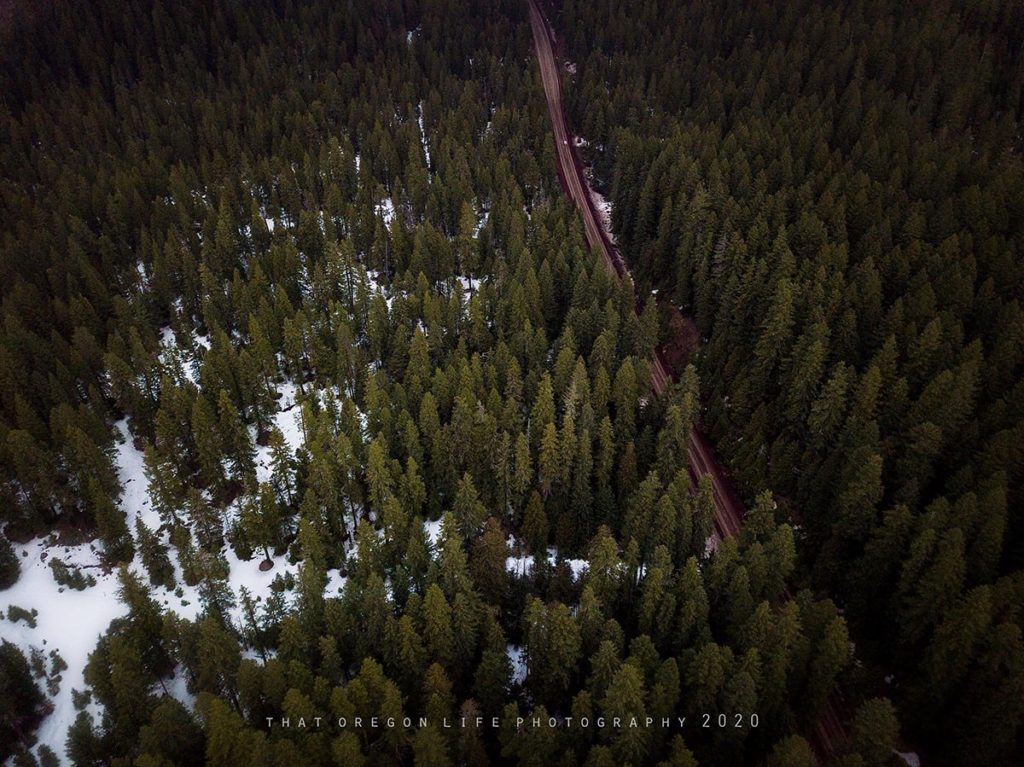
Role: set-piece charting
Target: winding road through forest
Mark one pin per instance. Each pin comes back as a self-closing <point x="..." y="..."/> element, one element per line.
<point x="829" y="732"/>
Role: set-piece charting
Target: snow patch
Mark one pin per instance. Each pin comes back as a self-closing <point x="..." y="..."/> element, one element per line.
<point x="423" y="132"/>
<point x="711" y="544"/>
<point x="604" y="211"/>
<point x="432" y="529"/>
<point x="68" y="621"/>
<point x="909" y="757"/>
<point x="71" y="622"/>
<point x="520" y="565"/>
<point x="515" y="657"/>
<point x="386" y="210"/>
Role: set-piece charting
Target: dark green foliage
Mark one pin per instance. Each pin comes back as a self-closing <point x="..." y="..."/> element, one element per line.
<point x="833" y="192"/>
<point x="10" y="568"/>
<point x="70" y="577"/>
<point x="23" y="705"/>
<point x="154" y="556"/>
<point x="518" y="411"/>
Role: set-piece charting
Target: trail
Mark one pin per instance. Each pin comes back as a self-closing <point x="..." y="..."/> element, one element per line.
<point x="829" y="732"/>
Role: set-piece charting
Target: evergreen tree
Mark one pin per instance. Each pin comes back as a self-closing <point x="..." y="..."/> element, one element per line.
<point x="154" y="556"/>
<point x="117" y="541"/>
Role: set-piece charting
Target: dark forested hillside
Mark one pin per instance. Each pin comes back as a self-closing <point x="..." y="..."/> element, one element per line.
<point x="835" y="193"/>
<point x="314" y="407"/>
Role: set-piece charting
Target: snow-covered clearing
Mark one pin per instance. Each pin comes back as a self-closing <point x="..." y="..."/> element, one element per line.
<point x="469" y="284"/>
<point x="70" y="622"/>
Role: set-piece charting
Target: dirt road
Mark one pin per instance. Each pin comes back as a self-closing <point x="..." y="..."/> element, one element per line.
<point x="729" y="509"/>
<point x="829" y="732"/>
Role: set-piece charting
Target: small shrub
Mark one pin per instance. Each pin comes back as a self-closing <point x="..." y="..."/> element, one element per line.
<point x="15" y="614"/>
<point x="71" y="577"/>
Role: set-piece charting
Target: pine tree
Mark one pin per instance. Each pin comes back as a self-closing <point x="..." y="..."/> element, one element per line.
<point x="673" y="443"/>
<point x="437" y="620"/>
<point x="625" y="392"/>
<point x="429" y="748"/>
<point x="312" y="575"/>
<point x="468" y="511"/>
<point x="931" y="580"/>
<point x="219" y="656"/>
<point x="237" y="443"/>
<point x="792" y="751"/>
<point x="704" y="509"/>
<point x="625" y="699"/>
<point x="261" y="518"/>
<point x="522" y="477"/>
<point x="543" y="412"/>
<point x="487" y="562"/>
<point x="604" y="567"/>
<point x="208" y="439"/>
<point x="23" y="705"/>
<point x="492" y="678"/>
<point x="117" y="541"/>
<point x="535" y="524"/>
<point x="165" y="489"/>
<point x="553" y="647"/>
<point x="281" y="466"/>
<point x="146" y="622"/>
<point x="874" y="730"/>
<point x="10" y="568"/>
<point x="154" y="556"/>
<point x="549" y="461"/>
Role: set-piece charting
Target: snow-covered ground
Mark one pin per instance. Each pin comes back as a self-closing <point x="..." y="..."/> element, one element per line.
<point x="386" y="210"/>
<point x="481" y="223"/>
<point x="432" y="528"/>
<point x="71" y="621"/>
<point x="712" y="543"/>
<point x="469" y="284"/>
<point x="604" y="211"/>
<point x="423" y="133"/>
<point x="910" y="757"/>
<point x="68" y="621"/>
<point x="521" y="565"/>
<point x="515" y="657"/>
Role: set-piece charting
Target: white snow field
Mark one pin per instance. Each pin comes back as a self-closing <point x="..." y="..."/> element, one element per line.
<point x="71" y="621"/>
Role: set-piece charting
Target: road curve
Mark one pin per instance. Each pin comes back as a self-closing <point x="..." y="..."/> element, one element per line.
<point x="728" y="508"/>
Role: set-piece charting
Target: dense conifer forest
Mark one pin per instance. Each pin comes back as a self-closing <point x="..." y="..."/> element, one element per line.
<point x="835" y="193"/>
<point x="306" y="369"/>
